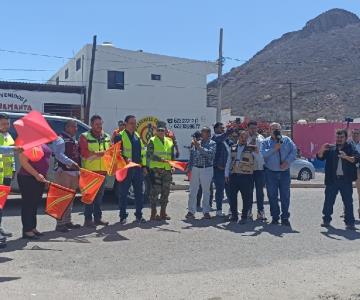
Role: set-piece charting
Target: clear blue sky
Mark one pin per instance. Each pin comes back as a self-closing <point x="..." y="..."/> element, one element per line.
<point x="186" y="28"/>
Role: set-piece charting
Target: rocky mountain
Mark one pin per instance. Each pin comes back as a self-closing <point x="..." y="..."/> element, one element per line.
<point x="322" y="62"/>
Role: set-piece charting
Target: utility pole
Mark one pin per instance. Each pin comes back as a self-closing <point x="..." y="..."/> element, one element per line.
<point x="291" y="111"/>
<point x="91" y="75"/>
<point x="220" y="83"/>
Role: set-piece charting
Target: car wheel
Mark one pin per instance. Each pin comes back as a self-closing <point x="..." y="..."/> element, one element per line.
<point x="305" y="174"/>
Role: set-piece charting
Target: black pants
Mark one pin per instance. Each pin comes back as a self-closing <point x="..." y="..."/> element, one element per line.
<point x="31" y="193"/>
<point x="242" y="183"/>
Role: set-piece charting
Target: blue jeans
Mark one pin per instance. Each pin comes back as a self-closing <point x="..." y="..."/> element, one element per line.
<point x="259" y="184"/>
<point x="331" y="191"/>
<point x="278" y="181"/>
<point x="136" y="178"/>
<point x="219" y="181"/>
<point x="94" y="209"/>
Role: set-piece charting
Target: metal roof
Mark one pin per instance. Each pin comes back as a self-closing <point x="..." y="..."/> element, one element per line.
<point x="13" y="85"/>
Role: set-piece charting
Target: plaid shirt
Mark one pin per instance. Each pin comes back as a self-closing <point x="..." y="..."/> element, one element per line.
<point x="203" y="156"/>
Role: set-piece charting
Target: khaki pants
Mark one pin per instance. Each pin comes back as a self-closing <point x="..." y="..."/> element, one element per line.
<point x="72" y="182"/>
<point x="358" y="186"/>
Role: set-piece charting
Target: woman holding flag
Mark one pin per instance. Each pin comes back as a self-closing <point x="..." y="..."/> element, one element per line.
<point x="31" y="179"/>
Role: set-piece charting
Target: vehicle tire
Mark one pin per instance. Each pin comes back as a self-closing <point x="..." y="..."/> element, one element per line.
<point x="305" y="174"/>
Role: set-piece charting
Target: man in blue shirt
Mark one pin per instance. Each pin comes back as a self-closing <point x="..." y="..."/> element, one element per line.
<point x="278" y="152"/>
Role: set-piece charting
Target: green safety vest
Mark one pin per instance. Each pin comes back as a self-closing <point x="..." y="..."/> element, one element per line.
<point x="127" y="147"/>
<point x="6" y="162"/>
<point x="162" y="150"/>
<point x="95" y="163"/>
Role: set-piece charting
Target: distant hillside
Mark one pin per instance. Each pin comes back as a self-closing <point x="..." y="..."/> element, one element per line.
<point x="322" y="61"/>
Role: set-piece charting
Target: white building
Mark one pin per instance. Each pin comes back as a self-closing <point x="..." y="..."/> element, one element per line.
<point x="149" y="86"/>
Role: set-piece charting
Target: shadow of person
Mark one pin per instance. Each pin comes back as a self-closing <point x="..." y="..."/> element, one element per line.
<point x="337" y="233"/>
<point x="255" y="228"/>
<point x="4" y="279"/>
<point x="5" y="259"/>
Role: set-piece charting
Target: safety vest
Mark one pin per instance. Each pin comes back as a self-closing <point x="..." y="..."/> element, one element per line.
<point x="162" y="150"/>
<point x="94" y="145"/>
<point x="6" y="162"/>
<point x="127" y="147"/>
<point x="246" y="164"/>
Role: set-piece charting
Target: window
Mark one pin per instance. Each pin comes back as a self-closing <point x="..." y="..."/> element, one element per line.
<point x="57" y="80"/>
<point x="78" y="64"/>
<point x="65" y="110"/>
<point x="66" y="73"/>
<point x="115" y="80"/>
<point x="155" y="77"/>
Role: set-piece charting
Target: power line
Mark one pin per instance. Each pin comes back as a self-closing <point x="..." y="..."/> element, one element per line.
<point x="34" y="54"/>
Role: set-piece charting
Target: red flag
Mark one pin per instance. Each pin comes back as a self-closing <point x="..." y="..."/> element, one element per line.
<point x="58" y="200"/>
<point x="33" y="130"/>
<point x="122" y="173"/>
<point x="34" y="154"/>
<point x="181" y="165"/>
<point x="113" y="160"/>
<point x="89" y="184"/>
<point x="4" y="193"/>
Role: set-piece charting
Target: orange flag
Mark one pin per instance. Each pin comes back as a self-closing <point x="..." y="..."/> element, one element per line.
<point x="33" y="130"/>
<point x="4" y="193"/>
<point x="122" y="173"/>
<point x="89" y="184"/>
<point x="113" y="160"/>
<point x="34" y="154"/>
<point x="178" y="164"/>
<point x="58" y="200"/>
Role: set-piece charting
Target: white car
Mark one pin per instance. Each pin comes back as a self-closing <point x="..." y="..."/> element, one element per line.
<point x="302" y="169"/>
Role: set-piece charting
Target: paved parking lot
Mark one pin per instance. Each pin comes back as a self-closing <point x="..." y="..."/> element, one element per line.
<point x="201" y="259"/>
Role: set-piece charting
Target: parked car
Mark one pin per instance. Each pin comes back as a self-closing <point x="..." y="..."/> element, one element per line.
<point x="302" y="169"/>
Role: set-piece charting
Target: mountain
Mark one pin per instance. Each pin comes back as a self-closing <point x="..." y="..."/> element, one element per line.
<point x="322" y="61"/>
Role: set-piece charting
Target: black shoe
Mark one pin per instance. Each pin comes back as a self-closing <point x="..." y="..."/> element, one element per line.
<point x="38" y="233"/>
<point x="325" y="224"/>
<point x="30" y="237"/>
<point x="285" y="222"/>
<point x="350" y="227"/>
<point x="140" y="220"/>
<point x="62" y="228"/>
<point x="275" y="222"/>
<point x="89" y="224"/>
<point x="2" y="244"/>
<point x="72" y="226"/>
<point x="5" y="233"/>
<point x="123" y="221"/>
<point x="234" y="219"/>
<point x="101" y="222"/>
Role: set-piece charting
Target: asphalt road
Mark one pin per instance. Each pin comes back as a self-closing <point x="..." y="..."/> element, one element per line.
<point x="201" y="259"/>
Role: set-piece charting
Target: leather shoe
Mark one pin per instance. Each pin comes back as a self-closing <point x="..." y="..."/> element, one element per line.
<point x="72" y="226"/>
<point x="101" y="222"/>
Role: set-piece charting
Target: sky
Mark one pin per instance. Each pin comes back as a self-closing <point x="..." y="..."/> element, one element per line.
<point x="186" y="28"/>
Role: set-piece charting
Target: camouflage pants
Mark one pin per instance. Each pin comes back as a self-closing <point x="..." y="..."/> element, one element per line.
<point x="160" y="185"/>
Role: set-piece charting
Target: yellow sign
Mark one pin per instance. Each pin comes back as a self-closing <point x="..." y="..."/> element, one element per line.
<point x="146" y="128"/>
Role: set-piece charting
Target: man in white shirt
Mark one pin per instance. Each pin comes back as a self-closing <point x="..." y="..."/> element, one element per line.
<point x="259" y="174"/>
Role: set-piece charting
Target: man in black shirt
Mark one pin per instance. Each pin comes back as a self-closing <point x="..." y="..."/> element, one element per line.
<point x="340" y="172"/>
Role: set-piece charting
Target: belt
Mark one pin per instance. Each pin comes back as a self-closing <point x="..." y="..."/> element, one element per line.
<point x="202" y="167"/>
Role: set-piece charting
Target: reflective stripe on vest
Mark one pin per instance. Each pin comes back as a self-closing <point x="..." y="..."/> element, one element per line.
<point x="6" y="162"/>
<point x="94" y="145"/>
<point x="127" y="147"/>
<point x="162" y="150"/>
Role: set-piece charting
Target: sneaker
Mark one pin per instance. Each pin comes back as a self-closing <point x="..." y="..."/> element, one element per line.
<point x="285" y="222"/>
<point x="275" y="222"/>
<point x="61" y="228"/>
<point x="242" y="221"/>
<point x="5" y="233"/>
<point x="190" y="215"/>
<point x="207" y="216"/>
<point x="219" y="213"/>
<point x="123" y="221"/>
<point x="72" y="226"/>
<point x="140" y="220"/>
<point x="89" y="224"/>
<point x="261" y="216"/>
<point x="350" y="227"/>
<point x="101" y="222"/>
<point x="325" y="224"/>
